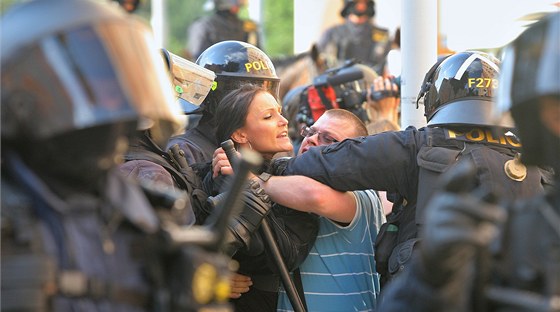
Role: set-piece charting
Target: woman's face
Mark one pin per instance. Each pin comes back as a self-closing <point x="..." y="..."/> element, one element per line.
<point x="265" y="129"/>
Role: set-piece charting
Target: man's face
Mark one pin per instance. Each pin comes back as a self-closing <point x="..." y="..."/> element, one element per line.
<point x="327" y="130"/>
<point x="358" y="13"/>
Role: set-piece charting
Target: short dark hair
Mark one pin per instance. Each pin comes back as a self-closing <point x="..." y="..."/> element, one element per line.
<point x="232" y="110"/>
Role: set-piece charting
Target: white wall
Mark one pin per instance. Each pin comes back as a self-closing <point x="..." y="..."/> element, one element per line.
<point x="311" y="18"/>
<point x="466" y="24"/>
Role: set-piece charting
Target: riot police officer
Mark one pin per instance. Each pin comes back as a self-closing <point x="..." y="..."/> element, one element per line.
<point x="146" y="159"/>
<point x="223" y="24"/>
<point x="235" y="63"/>
<point x="481" y="256"/>
<point x="458" y="94"/>
<point x="358" y="38"/>
<point x="72" y="96"/>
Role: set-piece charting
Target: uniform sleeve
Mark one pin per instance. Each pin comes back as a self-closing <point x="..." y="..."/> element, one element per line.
<point x="148" y="172"/>
<point x="197" y="38"/>
<point x="385" y="162"/>
<point x="409" y="292"/>
<point x="325" y="39"/>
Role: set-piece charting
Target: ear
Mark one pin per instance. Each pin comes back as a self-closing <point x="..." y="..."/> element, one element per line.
<point x="314" y="52"/>
<point x="239" y="136"/>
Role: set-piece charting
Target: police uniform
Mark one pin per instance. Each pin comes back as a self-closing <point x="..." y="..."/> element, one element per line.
<point x="513" y="264"/>
<point x="198" y="143"/>
<point x="220" y="26"/>
<point x="146" y="162"/>
<point x="393" y="162"/>
<point x="366" y="43"/>
<point x="521" y="272"/>
<point x="80" y="250"/>
<point x="77" y="236"/>
<point x="409" y="162"/>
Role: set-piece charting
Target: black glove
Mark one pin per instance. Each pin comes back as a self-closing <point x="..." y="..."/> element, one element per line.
<point x="278" y="165"/>
<point x="461" y="222"/>
<point x="257" y="205"/>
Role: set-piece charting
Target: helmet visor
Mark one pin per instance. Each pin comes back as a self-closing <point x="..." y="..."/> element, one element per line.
<point x="83" y="77"/>
<point x="227" y="83"/>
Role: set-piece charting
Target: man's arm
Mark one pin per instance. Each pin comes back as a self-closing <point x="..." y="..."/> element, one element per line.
<point x="305" y="194"/>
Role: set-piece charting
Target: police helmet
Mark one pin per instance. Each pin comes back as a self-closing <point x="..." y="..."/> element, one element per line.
<point x="224" y="5"/>
<point x="292" y="103"/>
<point x="349" y="7"/>
<point x="531" y="72"/>
<point x="460" y="89"/>
<point x="236" y="63"/>
<point x="78" y="67"/>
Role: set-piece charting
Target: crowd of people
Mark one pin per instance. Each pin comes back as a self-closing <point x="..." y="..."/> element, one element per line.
<point x="111" y="203"/>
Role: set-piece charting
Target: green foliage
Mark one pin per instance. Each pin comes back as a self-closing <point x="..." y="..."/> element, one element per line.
<point x="5" y="4"/>
<point x="278" y="17"/>
<point x="277" y="26"/>
<point x="180" y="14"/>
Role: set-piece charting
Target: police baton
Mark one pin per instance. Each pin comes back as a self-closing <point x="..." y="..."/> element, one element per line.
<point x="289" y="285"/>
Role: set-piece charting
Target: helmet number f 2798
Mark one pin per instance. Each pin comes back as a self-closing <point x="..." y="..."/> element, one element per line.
<point x="483" y="82"/>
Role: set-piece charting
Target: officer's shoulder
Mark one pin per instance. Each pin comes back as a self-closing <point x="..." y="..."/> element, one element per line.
<point x="201" y="21"/>
<point x="380" y="29"/>
<point x="380" y="33"/>
<point x="209" y="19"/>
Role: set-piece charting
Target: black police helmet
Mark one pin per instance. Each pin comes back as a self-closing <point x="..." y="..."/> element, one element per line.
<point x="460" y="89"/>
<point x="75" y="72"/>
<point x="221" y="5"/>
<point x="531" y="72"/>
<point x="236" y="63"/>
<point x="349" y="7"/>
<point x="292" y="102"/>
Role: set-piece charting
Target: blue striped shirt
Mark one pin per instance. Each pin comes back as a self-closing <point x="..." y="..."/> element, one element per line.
<point x="339" y="272"/>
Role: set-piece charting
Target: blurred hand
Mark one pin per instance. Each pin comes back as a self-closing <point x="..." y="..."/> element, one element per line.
<point x="239" y="285"/>
<point x="460" y="220"/>
<point x="384" y="98"/>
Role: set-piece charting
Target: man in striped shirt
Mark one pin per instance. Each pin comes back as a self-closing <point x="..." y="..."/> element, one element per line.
<point x="339" y="273"/>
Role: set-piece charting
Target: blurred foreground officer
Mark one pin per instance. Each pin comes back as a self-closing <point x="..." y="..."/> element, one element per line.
<point x="479" y="256"/>
<point x="72" y="95"/>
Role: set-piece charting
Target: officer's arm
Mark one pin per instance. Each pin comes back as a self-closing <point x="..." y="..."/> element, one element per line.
<point x="305" y="194"/>
<point x="384" y="162"/>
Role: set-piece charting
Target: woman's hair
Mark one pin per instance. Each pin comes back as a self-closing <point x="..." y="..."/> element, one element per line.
<point x="233" y="109"/>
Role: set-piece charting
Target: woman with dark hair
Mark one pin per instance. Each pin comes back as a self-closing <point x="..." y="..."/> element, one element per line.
<point x="252" y="118"/>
